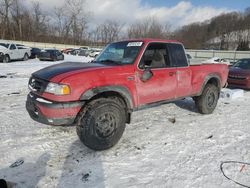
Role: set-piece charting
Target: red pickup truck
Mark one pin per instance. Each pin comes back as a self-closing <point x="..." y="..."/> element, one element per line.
<point x="99" y="97"/>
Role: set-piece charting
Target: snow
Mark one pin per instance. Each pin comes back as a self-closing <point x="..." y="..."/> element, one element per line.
<point x="166" y="146"/>
<point x="231" y="93"/>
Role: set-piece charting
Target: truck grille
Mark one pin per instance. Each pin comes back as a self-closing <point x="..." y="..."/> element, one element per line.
<point x="37" y="85"/>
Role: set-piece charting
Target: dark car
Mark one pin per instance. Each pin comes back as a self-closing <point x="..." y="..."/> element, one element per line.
<point x="239" y="74"/>
<point x="34" y="52"/>
<point x="74" y="52"/>
<point x="50" y="54"/>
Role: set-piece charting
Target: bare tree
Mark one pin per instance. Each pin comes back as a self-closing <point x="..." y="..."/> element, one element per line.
<point x="39" y="20"/>
<point x="107" y="32"/>
<point x="5" y="6"/>
<point x="17" y="11"/>
<point x="149" y="27"/>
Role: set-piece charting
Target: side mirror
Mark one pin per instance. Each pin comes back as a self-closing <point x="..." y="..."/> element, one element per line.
<point x="147" y="75"/>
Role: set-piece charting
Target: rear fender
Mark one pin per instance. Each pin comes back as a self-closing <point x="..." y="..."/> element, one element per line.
<point x="210" y="78"/>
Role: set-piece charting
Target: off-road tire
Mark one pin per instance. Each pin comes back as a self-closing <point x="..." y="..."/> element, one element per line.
<point x="101" y="123"/>
<point x="207" y="101"/>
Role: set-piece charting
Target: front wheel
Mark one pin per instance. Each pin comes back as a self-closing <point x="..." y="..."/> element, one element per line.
<point x="101" y="123"/>
<point x="6" y="59"/>
<point x="206" y="103"/>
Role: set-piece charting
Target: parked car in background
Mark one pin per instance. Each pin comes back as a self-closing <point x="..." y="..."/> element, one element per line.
<point x="217" y="60"/>
<point x="85" y="48"/>
<point x="74" y="51"/>
<point x="11" y="52"/>
<point x="50" y="54"/>
<point x="83" y="53"/>
<point x="35" y="53"/>
<point x="239" y="74"/>
<point x="95" y="52"/>
<point x="67" y="50"/>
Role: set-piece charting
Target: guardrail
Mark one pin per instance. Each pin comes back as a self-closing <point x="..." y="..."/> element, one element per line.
<point x="230" y="55"/>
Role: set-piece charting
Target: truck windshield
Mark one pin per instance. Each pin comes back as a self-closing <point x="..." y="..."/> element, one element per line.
<point x="4" y="45"/>
<point x="120" y="53"/>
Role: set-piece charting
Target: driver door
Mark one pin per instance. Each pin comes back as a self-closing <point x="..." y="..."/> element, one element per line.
<point x="162" y="85"/>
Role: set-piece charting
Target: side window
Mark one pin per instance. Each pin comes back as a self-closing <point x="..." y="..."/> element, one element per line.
<point x="178" y="56"/>
<point x="12" y="47"/>
<point x="155" y="56"/>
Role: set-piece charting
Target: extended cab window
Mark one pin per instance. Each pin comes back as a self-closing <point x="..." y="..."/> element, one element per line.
<point x="155" y="56"/>
<point x="177" y="55"/>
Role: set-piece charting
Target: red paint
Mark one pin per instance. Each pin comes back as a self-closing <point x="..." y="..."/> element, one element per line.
<point x="58" y="112"/>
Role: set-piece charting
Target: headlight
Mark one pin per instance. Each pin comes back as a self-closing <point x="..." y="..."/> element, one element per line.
<point x="57" y="89"/>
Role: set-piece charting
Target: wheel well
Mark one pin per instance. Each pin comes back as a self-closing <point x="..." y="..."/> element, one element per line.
<point x="113" y="94"/>
<point x="214" y="81"/>
<point x="7" y="55"/>
<point x="110" y="94"/>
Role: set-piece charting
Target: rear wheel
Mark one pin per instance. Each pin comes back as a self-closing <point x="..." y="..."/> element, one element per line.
<point x="26" y="57"/>
<point x="206" y="103"/>
<point x="101" y="123"/>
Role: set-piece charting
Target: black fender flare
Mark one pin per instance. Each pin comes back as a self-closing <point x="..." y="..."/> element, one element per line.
<point x="207" y="79"/>
<point x="123" y="91"/>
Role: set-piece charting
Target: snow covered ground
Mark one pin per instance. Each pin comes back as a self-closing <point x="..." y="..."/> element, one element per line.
<point x="167" y="146"/>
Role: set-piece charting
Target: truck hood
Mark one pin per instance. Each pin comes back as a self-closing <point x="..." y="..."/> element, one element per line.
<point x="2" y="49"/>
<point x="54" y="70"/>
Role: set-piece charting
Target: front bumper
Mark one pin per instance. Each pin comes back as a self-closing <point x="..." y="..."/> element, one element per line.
<point x="52" y="113"/>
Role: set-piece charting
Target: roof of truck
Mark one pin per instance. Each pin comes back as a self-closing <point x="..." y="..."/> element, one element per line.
<point x="153" y="40"/>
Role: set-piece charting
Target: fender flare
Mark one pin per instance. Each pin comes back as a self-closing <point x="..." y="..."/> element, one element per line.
<point x="123" y="91"/>
<point x="206" y="80"/>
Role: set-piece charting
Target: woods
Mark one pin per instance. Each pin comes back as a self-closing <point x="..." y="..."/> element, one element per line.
<point x="72" y="23"/>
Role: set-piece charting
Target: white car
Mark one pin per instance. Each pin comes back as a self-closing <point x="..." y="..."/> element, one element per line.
<point x="95" y="52"/>
<point x="11" y="52"/>
<point x="217" y="60"/>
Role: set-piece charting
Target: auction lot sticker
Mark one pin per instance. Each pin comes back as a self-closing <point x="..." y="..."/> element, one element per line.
<point x="134" y="44"/>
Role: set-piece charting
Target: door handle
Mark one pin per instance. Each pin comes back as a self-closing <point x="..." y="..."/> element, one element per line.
<point x="171" y="73"/>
